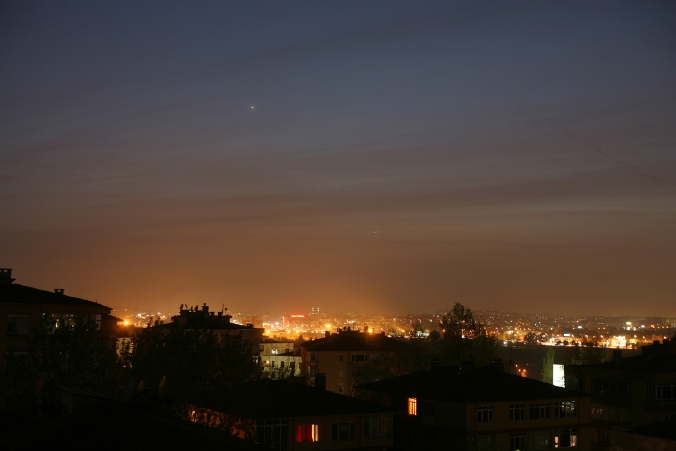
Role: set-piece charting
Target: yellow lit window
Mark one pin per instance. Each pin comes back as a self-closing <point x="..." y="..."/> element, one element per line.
<point x="412" y="406"/>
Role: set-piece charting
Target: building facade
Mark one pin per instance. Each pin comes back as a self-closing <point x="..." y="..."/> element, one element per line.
<point x="280" y="358"/>
<point x="289" y="415"/>
<point x="336" y="355"/>
<point x="467" y="408"/>
<point x="628" y="392"/>
<point x="22" y="309"/>
<point x="200" y="318"/>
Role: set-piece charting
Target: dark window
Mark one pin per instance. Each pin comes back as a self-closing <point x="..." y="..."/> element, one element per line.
<point x="273" y="433"/>
<point x="663" y="392"/>
<point x="484" y="414"/>
<point x="344" y="431"/>
<point x="540" y="411"/>
<point x="517" y="442"/>
<point x="572" y="382"/>
<point x="539" y="440"/>
<point x="17" y="325"/>
<point x="360" y="357"/>
<point x="340" y="357"/>
<point x="375" y="426"/>
<point x="517" y="412"/>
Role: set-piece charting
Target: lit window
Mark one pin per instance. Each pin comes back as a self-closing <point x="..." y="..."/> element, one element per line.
<point x="566" y="438"/>
<point x="484" y="414"/>
<point x="412" y="406"/>
<point x="307" y="433"/>
<point x="565" y="409"/>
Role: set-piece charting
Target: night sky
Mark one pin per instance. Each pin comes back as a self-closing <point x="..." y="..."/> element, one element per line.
<point x="356" y="156"/>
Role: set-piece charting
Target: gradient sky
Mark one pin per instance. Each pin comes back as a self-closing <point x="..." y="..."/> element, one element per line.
<point x="356" y="156"/>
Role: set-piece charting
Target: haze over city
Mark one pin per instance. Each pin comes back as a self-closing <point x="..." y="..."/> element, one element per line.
<point x="358" y="156"/>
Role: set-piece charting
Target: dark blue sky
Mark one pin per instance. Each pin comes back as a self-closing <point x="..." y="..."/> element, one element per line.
<point x="368" y="156"/>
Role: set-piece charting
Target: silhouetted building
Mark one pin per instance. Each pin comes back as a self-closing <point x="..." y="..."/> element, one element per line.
<point x="200" y="318"/>
<point x="335" y="354"/>
<point x="467" y="408"/>
<point x="22" y="308"/>
<point x="289" y="415"/>
<point x="628" y="392"/>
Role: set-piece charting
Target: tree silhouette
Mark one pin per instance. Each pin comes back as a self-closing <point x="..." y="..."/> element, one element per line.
<point x="465" y="339"/>
<point x="193" y="362"/>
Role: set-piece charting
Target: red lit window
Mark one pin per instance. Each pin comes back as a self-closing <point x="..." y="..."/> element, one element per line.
<point x="307" y="433"/>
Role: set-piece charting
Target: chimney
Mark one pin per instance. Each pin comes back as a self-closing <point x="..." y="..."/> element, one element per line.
<point x="6" y="276"/>
<point x="327" y="333"/>
<point x="58" y="290"/>
<point x="617" y="357"/>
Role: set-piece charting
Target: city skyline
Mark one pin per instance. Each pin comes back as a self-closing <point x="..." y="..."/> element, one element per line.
<point x="380" y="156"/>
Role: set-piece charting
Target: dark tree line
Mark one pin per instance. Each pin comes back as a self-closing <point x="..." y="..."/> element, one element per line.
<point x="79" y="355"/>
<point x="192" y="362"/>
<point x="462" y="339"/>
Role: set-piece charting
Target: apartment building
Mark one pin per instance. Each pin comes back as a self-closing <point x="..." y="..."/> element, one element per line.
<point x="22" y="308"/>
<point x="200" y="318"/>
<point x="628" y="392"/>
<point x="280" y="358"/>
<point x="468" y="408"/>
<point x="291" y="416"/>
<point x="336" y="354"/>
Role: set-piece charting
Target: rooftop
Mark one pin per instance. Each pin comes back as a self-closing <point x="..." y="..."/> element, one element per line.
<point x="267" y="398"/>
<point x="468" y="384"/>
<point x="14" y="293"/>
<point x="655" y="358"/>
<point x="355" y="341"/>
